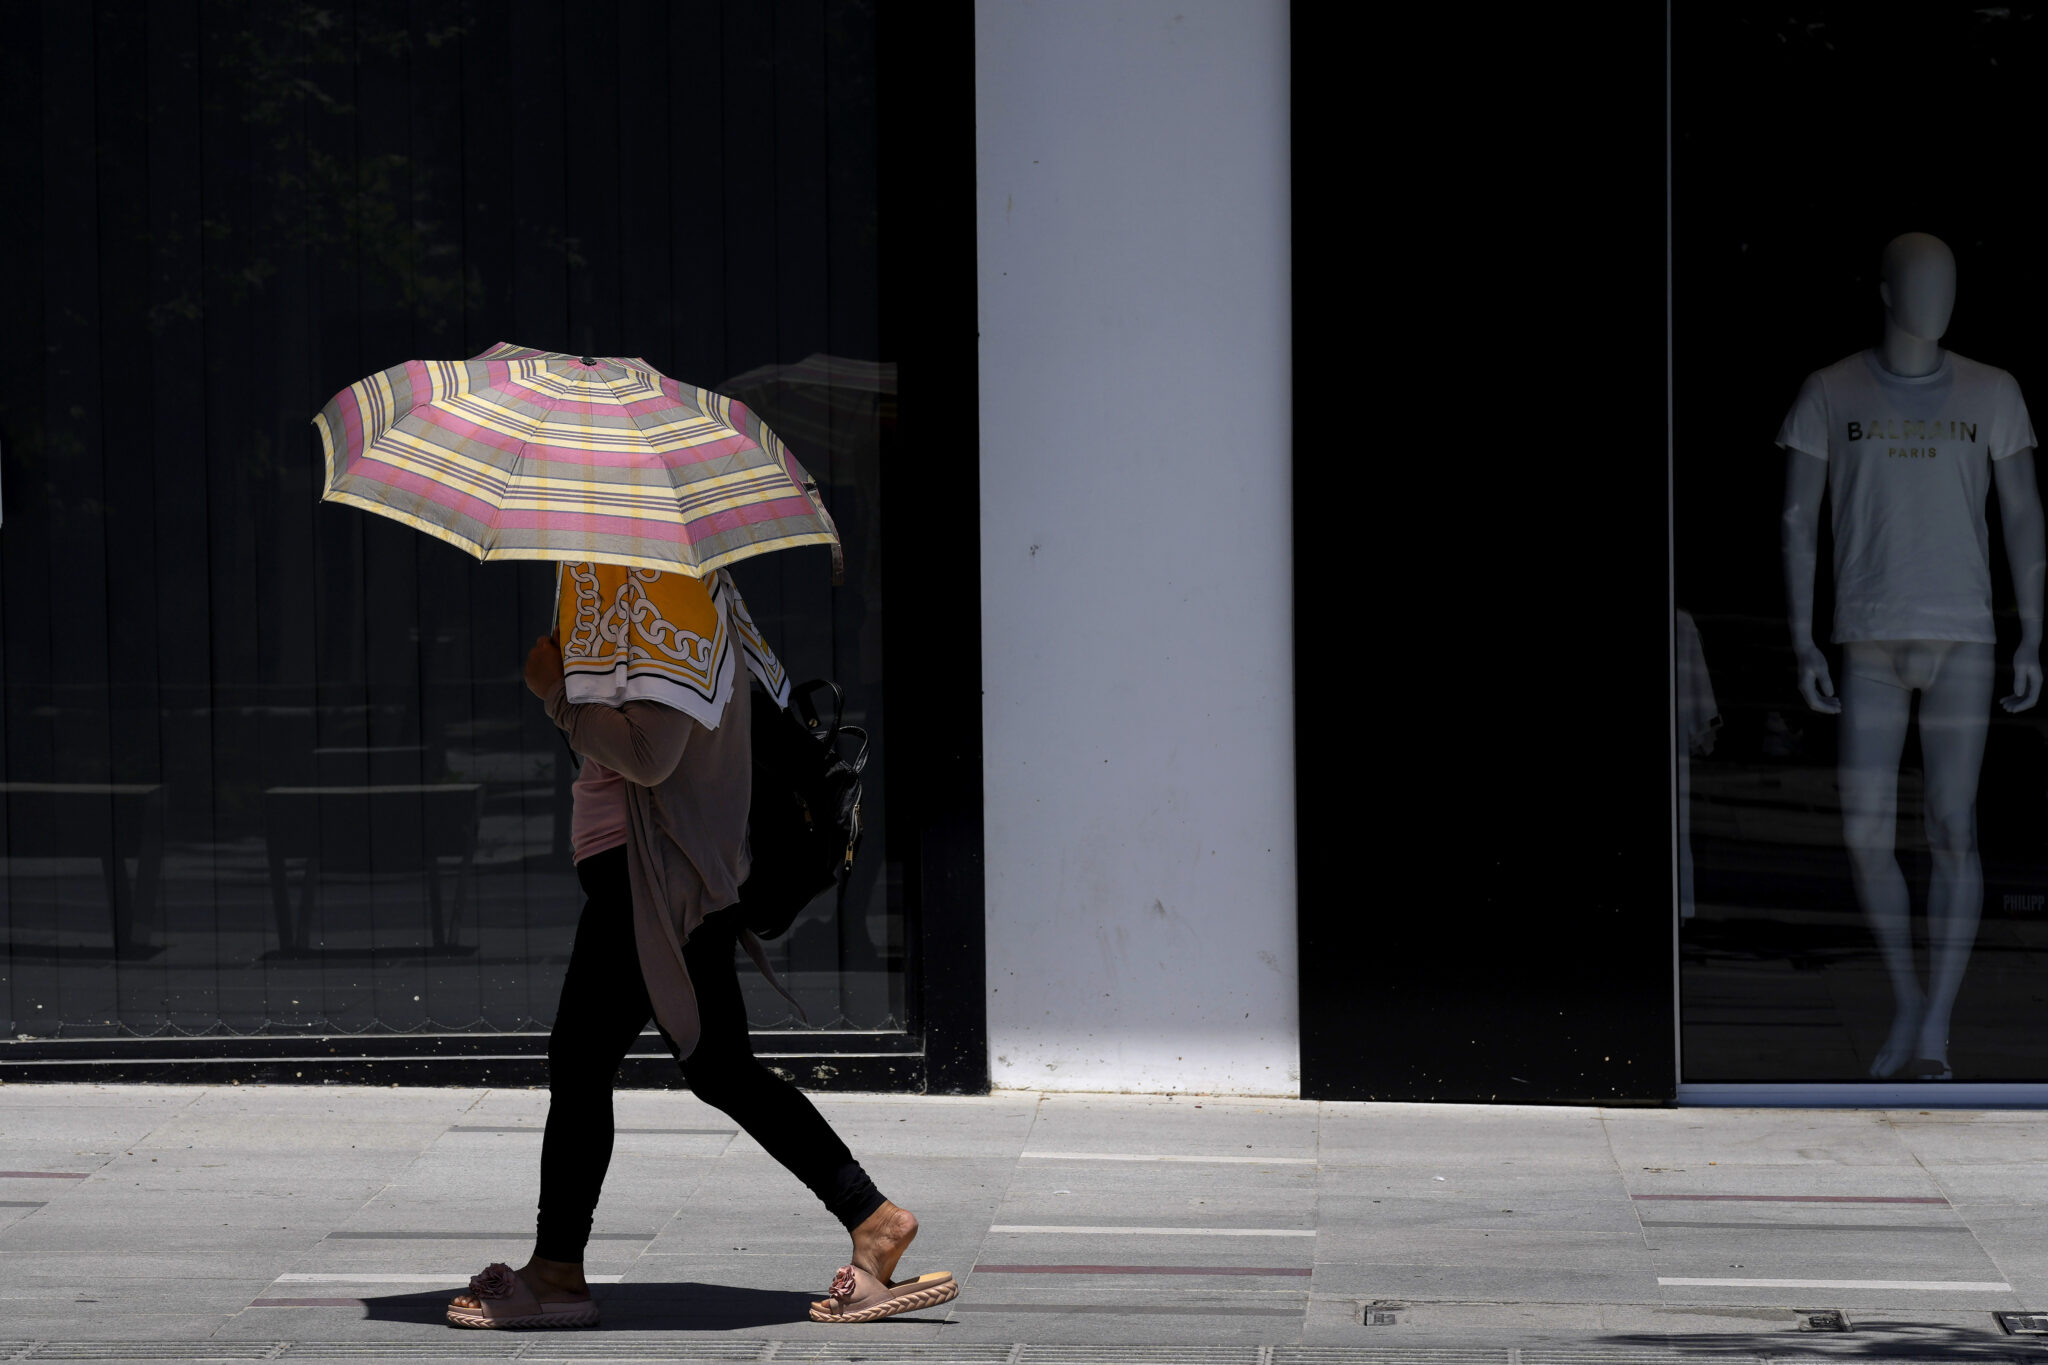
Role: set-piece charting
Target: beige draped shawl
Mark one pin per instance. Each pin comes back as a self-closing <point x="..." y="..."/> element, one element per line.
<point x="685" y="750"/>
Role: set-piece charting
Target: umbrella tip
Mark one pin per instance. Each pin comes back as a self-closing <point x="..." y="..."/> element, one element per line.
<point x="589" y="360"/>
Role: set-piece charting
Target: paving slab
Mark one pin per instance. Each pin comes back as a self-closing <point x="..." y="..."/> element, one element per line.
<point x="1474" y="1136"/>
<point x="1431" y="1279"/>
<point x="1754" y="1137"/>
<point x="1992" y="1182"/>
<point x="1096" y="1192"/>
<point x="1216" y="1128"/>
<point x="1817" y="1182"/>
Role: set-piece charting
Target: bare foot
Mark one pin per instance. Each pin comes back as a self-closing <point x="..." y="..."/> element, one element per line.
<point x="879" y="1243"/>
<point x="550" y="1281"/>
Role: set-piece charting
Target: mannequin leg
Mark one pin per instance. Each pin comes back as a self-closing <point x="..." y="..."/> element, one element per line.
<point x="1955" y="715"/>
<point x="1875" y="713"/>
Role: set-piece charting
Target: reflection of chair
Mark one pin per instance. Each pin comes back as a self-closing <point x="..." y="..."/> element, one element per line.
<point x="70" y="820"/>
<point x="342" y="764"/>
<point x="328" y="828"/>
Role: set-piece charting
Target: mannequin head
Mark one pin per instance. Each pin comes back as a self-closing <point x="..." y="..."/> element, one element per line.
<point x="1917" y="281"/>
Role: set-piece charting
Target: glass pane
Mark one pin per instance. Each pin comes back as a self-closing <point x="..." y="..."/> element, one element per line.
<point x="269" y="766"/>
<point x="1864" y="870"/>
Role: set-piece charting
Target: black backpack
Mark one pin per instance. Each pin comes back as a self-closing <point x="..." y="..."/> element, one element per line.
<point x="804" y="824"/>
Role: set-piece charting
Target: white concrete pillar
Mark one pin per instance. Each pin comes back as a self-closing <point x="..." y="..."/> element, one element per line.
<point x="1136" y="453"/>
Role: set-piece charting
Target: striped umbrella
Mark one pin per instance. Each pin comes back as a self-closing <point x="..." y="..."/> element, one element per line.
<point x="528" y="454"/>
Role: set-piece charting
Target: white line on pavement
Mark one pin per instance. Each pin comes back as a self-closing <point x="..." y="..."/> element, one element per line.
<point x="1121" y="1156"/>
<point x="1960" y="1286"/>
<point x="1156" y="1232"/>
<point x="454" y="1279"/>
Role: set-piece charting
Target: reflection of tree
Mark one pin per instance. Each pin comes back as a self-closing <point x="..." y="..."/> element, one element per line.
<point x="282" y="69"/>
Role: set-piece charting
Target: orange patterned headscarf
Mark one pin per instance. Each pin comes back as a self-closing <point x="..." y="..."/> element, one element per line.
<point x="638" y="634"/>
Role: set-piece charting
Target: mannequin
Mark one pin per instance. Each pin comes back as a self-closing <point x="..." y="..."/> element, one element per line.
<point x="1899" y="437"/>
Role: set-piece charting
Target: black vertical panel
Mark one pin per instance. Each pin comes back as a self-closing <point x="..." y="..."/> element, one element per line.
<point x="537" y="97"/>
<point x="341" y="594"/>
<point x="697" y="191"/>
<point x="592" y="112"/>
<point x="746" y="188"/>
<point x="647" y="294"/>
<point x="925" y="64"/>
<point x="24" y="536"/>
<point x="396" y="555"/>
<point x="850" y="187"/>
<point x="233" y="483"/>
<point x="750" y="209"/>
<point x="871" y="915"/>
<point x="283" y="241"/>
<point x="275" y="679"/>
<point x="1483" y="801"/>
<point x="120" y="47"/>
<point x="535" y="167"/>
<point x="803" y="599"/>
<point x="77" y="567"/>
<point x="18" y="231"/>
<point x="802" y="222"/>
<point x="173" y="349"/>
<point x="490" y="184"/>
<point x="286" y="235"/>
<point x="497" y="184"/>
<point x="448" y="576"/>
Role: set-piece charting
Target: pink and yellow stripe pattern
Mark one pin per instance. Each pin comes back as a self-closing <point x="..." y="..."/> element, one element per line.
<point x="528" y="454"/>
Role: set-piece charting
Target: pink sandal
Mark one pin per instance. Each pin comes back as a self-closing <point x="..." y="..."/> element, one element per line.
<point x="859" y="1297"/>
<point x="503" y="1300"/>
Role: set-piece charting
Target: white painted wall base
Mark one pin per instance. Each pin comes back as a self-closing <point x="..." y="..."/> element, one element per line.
<point x="1136" y="449"/>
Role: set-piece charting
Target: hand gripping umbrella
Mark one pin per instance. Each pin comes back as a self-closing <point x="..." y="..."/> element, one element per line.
<point x="528" y="454"/>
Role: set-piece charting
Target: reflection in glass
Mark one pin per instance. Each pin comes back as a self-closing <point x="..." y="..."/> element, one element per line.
<point x="1698" y="719"/>
<point x="269" y="767"/>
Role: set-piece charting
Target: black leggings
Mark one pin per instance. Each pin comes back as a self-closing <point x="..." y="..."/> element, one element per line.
<point x="604" y="1008"/>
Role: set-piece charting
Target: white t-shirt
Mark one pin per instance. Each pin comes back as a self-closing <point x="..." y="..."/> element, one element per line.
<point x="1909" y="469"/>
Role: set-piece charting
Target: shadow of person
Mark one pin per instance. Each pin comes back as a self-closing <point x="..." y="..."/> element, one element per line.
<point x="1935" y="1343"/>
<point x="674" y="1306"/>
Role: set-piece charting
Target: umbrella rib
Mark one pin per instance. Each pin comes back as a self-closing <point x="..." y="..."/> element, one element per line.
<point x="554" y="401"/>
<point x="683" y="543"/>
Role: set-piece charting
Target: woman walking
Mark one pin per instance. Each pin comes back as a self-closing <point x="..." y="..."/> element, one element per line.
<point x="647" y="686"/>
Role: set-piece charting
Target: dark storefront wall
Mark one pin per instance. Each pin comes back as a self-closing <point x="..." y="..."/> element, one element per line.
<point x="226" y="212"/>
<point x="1789" y="180"/>
<point x="1481" y="613"/>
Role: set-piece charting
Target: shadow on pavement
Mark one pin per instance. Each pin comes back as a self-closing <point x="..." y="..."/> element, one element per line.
<point x="677" y="1306"/>
<point x="1931" y="1342"/>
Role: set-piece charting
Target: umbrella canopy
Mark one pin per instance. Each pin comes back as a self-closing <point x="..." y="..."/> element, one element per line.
<point x="528" y="454"/>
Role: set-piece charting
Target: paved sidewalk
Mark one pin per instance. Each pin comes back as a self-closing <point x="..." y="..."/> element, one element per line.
<point x="248" y="1222"/>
